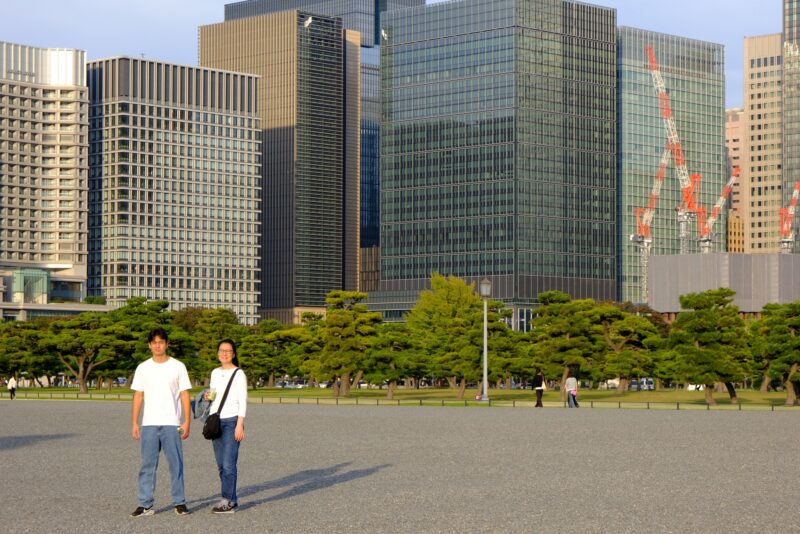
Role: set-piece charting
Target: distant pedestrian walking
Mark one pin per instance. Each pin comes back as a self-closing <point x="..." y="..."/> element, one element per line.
<point x="12" y="388"/>
<point x="539" y="384"/>
<point x="571" y="385"/>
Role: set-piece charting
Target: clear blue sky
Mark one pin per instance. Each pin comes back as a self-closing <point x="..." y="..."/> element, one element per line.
<point x="167" y="29"/>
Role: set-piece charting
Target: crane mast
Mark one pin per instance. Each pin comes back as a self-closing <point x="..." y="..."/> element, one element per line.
<point x="644" y="218"/>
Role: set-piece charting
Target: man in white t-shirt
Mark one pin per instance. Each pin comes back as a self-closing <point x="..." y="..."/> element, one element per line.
<point x="162" y="385"/>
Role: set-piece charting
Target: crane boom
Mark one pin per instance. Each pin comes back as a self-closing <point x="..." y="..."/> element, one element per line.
<point x="706" y="226"/>
<point x="644" y="216"/>
<point x="673" y="140"/>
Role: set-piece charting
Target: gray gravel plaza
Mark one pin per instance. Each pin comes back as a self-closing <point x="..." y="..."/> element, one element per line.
<point x="71" y="466"/>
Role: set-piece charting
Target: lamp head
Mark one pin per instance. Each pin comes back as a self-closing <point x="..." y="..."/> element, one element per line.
<point x="486" y="287"/>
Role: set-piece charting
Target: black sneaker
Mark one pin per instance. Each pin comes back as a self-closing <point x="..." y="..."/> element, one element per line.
<point x="142" y="511"/>
<point x="223" y="508"/>
<point x="181" y="509"/>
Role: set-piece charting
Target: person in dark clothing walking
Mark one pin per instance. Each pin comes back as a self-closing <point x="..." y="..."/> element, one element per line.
<point x="539" y="386"/>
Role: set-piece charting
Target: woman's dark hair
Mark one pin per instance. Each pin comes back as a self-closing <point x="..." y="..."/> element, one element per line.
<point x="232" y="343"/>
<point x="157" y="332"/>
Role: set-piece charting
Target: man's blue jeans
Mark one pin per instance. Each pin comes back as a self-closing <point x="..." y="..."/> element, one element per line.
<point x="154" y="439"/>
<point x="226" y="451"/>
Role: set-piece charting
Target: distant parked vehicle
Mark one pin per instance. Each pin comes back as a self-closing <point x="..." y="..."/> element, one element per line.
<point x="646" y="384"/>
<point x="634" y="385"/>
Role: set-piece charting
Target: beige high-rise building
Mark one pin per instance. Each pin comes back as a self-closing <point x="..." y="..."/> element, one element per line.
<point x="733" y="145"/>
<point x="309" y="103"/>
<point x="43" y="192"/>
<point x="761" y="151"/>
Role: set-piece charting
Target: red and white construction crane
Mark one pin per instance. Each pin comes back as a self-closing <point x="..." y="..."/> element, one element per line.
<point x="705" y="226"/>
<point x="786" y="220"/>
<point x="688" y="183"/>
<point x="644" y="218"/>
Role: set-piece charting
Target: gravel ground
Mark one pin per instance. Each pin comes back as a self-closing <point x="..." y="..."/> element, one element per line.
<point x="72" y="467"/>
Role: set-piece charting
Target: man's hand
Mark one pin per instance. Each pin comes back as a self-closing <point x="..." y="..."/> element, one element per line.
<point x="135" y="433"/>
<point x="185" y="430"/>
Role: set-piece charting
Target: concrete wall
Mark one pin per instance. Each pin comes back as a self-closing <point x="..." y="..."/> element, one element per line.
<point x="758" y="279"/>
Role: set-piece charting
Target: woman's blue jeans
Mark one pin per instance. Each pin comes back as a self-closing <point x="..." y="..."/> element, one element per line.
<point x="572" y="400"/>
<point x="155" y="439"/>
<point x="226" y="451"/>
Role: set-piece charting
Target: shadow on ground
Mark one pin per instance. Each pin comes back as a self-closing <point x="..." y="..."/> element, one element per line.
<point x="15" y="442"/>
<point x="300" y="482"/>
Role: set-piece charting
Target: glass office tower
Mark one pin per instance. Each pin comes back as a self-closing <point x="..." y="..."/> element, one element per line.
<point x="364" y="17"/>
<point x="175" y="173"/>
<point x="310" y="113"/>
<point x="693" y="73"/>
<point x="791" y="103"/>
<point x="498" y="144"/>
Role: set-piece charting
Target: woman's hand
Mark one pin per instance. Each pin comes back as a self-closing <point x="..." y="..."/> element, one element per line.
<point x="238" y="434"/>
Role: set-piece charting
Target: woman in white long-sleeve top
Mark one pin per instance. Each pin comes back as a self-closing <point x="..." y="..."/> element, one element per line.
<point x="226" y="447"/>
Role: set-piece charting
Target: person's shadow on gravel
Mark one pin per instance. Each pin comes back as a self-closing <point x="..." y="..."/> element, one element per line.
<point x="15" y="442"/>
<point x="301" y="482"/>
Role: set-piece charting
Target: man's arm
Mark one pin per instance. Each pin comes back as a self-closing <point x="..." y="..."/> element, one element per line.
<point x="186" y="408"/>
<point x="138" y="397"/>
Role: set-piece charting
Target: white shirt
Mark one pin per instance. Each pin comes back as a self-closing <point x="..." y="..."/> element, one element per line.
<point x="162" y="384"/>
<point x="12" y="383"/>
<point x="236" y="403"/>
<point x="572" y="383"/>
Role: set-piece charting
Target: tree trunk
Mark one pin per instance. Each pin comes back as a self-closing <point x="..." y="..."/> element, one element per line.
<point x="38" y="381"/>
<point x="709" y="390"/>
<point x="336" y="387"/>
<point x="623" y="385"/>
<point x="659" y="384"/>
<point x="271" y="380"/>
<point x="390" y="392"/>
<point x="84" y="386"/>
<point x="508" y="384"/>
<point x="344" y="388"/>
<point x="791" y="396"/>
<point x="356" y="380"/>
<point x="764" y="383"/>
<point x="562" y="386"/>
<point x="452" y="382"/>
<point x="732" y="392"/>
<point x="462" y="388"/>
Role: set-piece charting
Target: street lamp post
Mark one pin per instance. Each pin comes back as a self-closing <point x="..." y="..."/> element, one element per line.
<point x="486" y="292"/>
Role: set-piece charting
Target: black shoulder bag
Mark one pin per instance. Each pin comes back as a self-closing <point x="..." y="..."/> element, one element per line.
<point x="212" y="429"/>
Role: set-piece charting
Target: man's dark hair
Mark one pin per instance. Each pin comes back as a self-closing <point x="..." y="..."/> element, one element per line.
<point x="157" y="332"/>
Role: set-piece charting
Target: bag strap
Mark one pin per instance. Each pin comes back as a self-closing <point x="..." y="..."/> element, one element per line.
<point x="227" y="389"/>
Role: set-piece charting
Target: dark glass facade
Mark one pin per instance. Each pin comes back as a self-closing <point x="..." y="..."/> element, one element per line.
<point x="317" y="181"/>
<point x="370" y="149"/>
<point x="499" y="147"/>
<point x="693" y="73"/>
